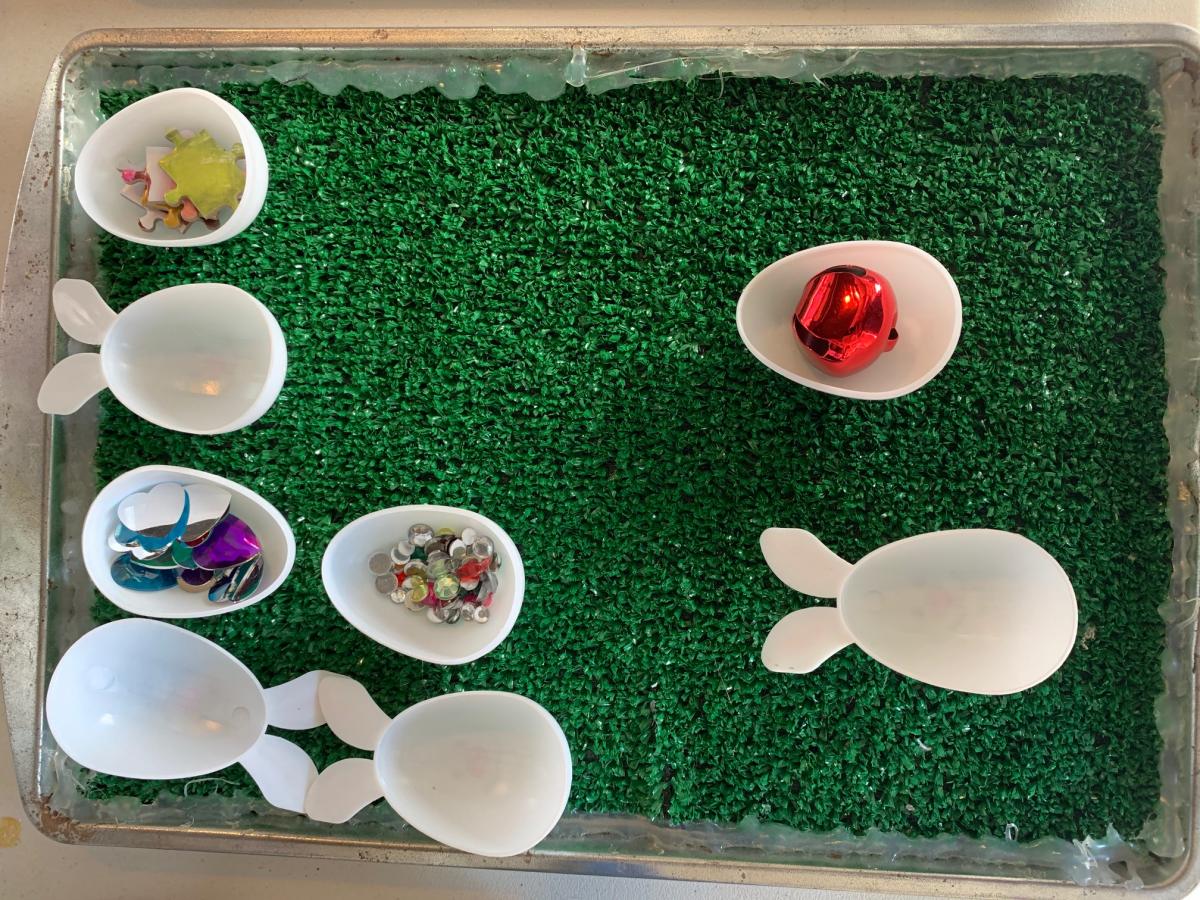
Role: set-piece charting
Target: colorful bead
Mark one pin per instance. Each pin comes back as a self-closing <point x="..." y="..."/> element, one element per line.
<point x="488" y="583"/>
<point x="380" y="563"/>
<point x="420" y="535"/>
<point x="445" y="572"/>
<point x="446" y="587"/>
<point x="440" y="567"/>
<point x="417" y="587"/>
<point x="472" y="569"/>
<point x="437" y="545"/>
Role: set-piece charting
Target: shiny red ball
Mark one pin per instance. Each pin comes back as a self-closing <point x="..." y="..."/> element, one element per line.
<point x="846" y="318"/>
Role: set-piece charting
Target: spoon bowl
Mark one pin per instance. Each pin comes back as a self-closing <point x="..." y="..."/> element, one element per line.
<point x="269" y="525"/>
<point x="351" y="587"/>
<point x="929" y="322"/>
<point x="139" y="698"/>
<point x="122" y="141"/>
<point x="196" y="358"/>
<point x="974" y="610"/>
<point x="508" y="786"/>
<point x="143" y="699"/>
<point x="486" y="772"/>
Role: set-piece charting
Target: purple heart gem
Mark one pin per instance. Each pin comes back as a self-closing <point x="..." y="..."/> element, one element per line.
<point x="197" y="578"/>
<point x="230" y="543"/>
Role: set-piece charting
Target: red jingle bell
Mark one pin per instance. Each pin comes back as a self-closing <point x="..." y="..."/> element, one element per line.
<point x="846" y="318"/>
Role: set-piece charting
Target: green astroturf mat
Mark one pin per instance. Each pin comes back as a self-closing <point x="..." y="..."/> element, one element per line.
<point x="527" y="308"/>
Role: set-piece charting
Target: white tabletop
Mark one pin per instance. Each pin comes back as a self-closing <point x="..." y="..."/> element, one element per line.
<point x="31" y="33"/>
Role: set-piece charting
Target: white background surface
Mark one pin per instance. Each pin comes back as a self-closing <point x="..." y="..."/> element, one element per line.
<point x="31" y="33"/>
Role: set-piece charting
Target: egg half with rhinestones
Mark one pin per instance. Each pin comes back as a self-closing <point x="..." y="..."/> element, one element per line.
<point x="355" y="562"/>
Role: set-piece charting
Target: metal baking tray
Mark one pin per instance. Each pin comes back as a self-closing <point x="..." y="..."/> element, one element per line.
<point x="46" y="478"/>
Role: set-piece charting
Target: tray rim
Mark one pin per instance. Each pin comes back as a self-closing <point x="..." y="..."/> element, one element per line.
<point x="34" y="260"/>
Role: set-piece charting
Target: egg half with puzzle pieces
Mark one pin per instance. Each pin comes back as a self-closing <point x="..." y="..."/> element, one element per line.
<point x="207" y="143"/>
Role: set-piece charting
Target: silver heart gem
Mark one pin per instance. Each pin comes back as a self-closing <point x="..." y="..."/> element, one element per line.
<point x="117" y="543"/>
<point x="156" y="514"/>
<point x="208" y="504"/>
<point x="141" y="554"/>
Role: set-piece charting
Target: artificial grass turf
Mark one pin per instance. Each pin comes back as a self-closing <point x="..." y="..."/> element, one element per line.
<point x="526" y="308"/>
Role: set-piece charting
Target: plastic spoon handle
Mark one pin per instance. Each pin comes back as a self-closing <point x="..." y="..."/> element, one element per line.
<point x="804" y="639"/>
<point x="295" y="704"/>
<point x="342" y="790"/>
<point x="283" y="772"/>
<point x="802" y="562"/>
<point x="351" y="713"/>
<point x="81" y="311"/>
<point x="72" y="383"/>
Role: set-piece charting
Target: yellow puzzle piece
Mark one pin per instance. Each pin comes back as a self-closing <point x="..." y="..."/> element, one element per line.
<point x="204" y="172"/>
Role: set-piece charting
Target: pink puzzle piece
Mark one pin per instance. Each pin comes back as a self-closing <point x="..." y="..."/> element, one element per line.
<point x="160" y="181"/>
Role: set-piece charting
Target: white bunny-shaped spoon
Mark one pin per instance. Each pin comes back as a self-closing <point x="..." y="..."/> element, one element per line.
<point x="981" y="611"/>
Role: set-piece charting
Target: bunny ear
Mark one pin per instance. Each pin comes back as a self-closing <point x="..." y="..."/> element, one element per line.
<point x="342" y="790"/>
<point x="804" y="639"/>
<point x="802" y="562"/>
<point x="294" y="704"/>
<point x="81" y="311"/>
<point x="283" y="772"/>
<point x="71" y="383"/>
<point x="351" y="713"/>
